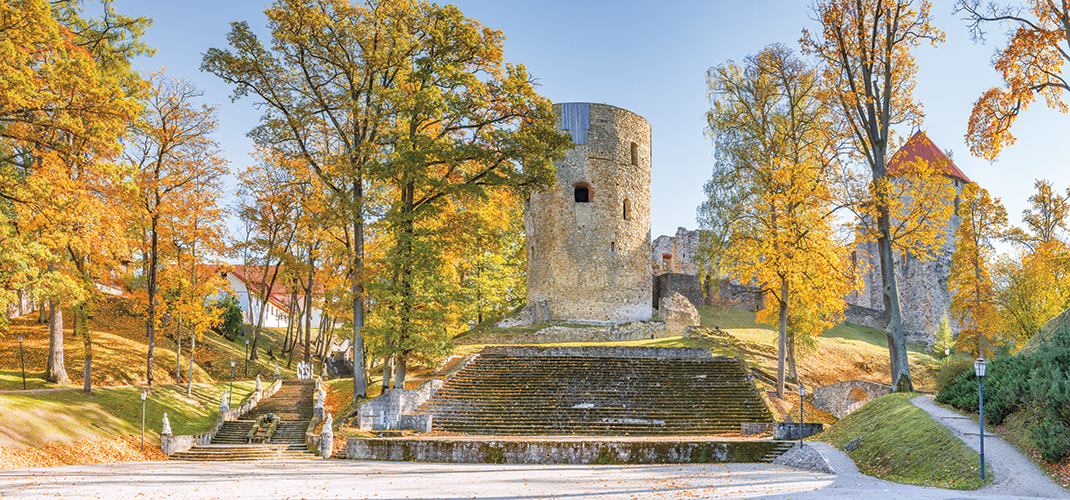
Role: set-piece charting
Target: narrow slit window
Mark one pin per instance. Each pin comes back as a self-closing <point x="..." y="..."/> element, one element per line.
<point x="635" y="154"/>
<point x="627" y="207"/>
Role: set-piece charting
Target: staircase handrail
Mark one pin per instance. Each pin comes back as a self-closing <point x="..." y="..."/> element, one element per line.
<point x="174" y="444"/>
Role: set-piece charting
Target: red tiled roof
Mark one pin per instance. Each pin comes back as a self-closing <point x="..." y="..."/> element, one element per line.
<point x="280" y="294"/>
<point x="920" y="147"/>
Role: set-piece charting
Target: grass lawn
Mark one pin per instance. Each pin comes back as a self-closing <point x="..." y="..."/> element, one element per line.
<point x="900" y="442"/>
<point x="66" y="416"/>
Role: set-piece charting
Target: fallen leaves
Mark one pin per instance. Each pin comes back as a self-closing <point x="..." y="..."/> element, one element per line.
<point x="86" y="451"/>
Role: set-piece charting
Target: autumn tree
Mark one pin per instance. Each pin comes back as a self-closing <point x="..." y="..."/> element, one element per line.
<point x="321" y="84"/>
<point x="465" y="122"/>
<point x="775" y="150"/>
<point x="866" y="47"/>
<point x="973" y="295"/>
<point x="1031" y="65"/>
<point x="269" y="210"/>
<point x="1033" y="285"/>
<point x="174" y="159"/>
<point x="67" y="97"/>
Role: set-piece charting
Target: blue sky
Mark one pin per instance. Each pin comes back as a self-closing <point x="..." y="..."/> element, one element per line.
<point x="651" y="58"/>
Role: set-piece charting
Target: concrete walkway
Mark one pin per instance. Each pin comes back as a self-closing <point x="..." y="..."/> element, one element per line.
<point x="1014" y="473"/>
<point x="323" y="479"/>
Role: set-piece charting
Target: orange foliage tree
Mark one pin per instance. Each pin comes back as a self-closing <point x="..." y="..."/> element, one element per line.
<point x="65" y="98"/>
<point x="176" y="171"/>
<point x="1031" y="66"/>
<point x="866" y="50"/>
<point x="973" y="300"/>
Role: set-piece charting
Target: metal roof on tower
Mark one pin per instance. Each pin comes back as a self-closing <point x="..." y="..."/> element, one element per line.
<point x="920" y="147"/>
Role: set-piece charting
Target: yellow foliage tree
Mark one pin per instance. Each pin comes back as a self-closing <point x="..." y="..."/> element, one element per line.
<point x="1031" y="66"/>
<point x="973" y="300"/>
<point x="775" y="146"/>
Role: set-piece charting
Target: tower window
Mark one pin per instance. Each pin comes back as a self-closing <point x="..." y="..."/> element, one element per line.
<point x="635" y="154"/>
<point x="582" y="192"/>
<point x="613" y="247"/>
<point x="626" y="215"/>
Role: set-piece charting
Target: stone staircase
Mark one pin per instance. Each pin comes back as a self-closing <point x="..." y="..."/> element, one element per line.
<point x="503" y="394"/>
<point x="292" y="403"/>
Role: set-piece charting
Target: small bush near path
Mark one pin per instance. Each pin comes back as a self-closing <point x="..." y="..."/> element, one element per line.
<point x="897" y="441"/>
<point x="1037" y="383"/>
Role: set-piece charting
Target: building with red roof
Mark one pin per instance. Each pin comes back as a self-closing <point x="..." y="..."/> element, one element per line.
<point x="924" y="297"/>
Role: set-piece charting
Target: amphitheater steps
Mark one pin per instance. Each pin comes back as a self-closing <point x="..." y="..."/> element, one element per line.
<point x="292" y="403"/>
<point x="501" y="394"/>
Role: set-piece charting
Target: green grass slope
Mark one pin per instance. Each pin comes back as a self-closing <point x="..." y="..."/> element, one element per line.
<point x="65" y="416"/>
<point x="900" y="442"/>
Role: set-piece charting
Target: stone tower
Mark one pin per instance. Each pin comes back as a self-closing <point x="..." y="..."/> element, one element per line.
<point x="588" y="237"/>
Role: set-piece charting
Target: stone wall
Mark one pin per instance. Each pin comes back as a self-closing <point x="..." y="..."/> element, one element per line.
<point x="687" y="285"/>
<point x="924" y="296"/>
<point x="603" y="352"/>
<point x="873" y="318"/>
<point x="567" y="450"/>
<point x="661" y="255"/>
<point x="675" y="254"/>
<point x="588" y="259"/>
<point x="385" y="412"/>
<point x="639" y="330"/>
<point x="724" y="293"/>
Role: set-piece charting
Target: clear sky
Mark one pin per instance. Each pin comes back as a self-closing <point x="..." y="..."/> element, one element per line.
<point x="651" y="58"/>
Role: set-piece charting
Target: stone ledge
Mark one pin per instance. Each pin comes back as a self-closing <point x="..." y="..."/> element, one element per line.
<point x="558" y="451"/>
<point x="602" y="352"/>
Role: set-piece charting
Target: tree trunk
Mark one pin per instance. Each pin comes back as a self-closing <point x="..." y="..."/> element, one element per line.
<point x="192" y="347"/>
<point x="178" y="351"/>
<point x="56" y="371"/>
<point x="782" y="345"/>
<point x="388" y="371"/>
<point x="150" y="323"/>
<point x="399" y="371"/>
<point x="42" y="312"/>
<point x="81" y="329"/>
<point x="308" y="300"/>
<point x="897" y="350"/>
<point x="793" y="373"/>
<point x="360" y="384"/>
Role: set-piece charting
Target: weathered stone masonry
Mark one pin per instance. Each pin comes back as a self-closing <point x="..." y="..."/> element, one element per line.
<point x="588" y="237"/>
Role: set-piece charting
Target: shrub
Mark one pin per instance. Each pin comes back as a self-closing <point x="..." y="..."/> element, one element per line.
<point x="231" y="316"/>
<point x="1038" y="382"/>
<point x="951" y="369"/>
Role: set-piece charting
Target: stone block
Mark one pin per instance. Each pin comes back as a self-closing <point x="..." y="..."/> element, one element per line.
<point x="687" y="285"/>
<point x="678" y="313"/>
<point x="794" y="430"/>
<point x="418" y="423"/>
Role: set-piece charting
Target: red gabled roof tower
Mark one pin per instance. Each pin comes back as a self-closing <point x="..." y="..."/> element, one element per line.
<point x="920" y="147"/>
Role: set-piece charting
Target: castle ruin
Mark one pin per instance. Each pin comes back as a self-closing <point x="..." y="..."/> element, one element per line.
<point x="588" y="237"/>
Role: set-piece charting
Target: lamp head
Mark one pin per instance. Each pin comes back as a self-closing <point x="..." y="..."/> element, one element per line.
<point x="232" y="363"/>
<point x="947" y="351"/>
<point x="144" y="394"/>
<point x="979" y="367"/>
<point x="20" y="338"/>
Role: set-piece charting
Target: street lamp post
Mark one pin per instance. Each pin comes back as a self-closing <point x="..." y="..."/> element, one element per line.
<point x="230" y="395"/>
<point x="246" y="358"/>
<point x="979" y="369"/>
<point x="22" y="361"/>
<point x="802" y="392"/>
<point x="144" y="394"/>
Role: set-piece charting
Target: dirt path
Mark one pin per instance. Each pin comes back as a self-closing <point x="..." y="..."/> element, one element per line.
<point x="1014" y="473"/>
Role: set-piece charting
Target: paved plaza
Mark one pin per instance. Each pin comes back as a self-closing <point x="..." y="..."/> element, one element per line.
<point x="323" y="479"/>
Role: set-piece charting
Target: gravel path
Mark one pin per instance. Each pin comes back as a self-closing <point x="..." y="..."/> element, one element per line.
<point x="1014" y="473"/>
